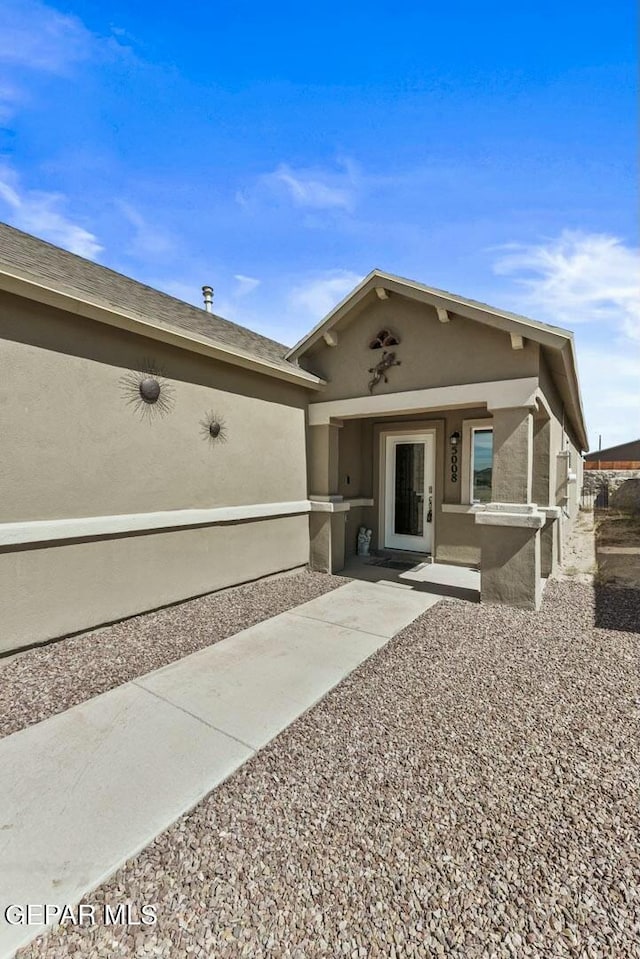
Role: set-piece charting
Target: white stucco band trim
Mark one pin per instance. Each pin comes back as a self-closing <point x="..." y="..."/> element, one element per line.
<point x="526" y="515"/>
<point x="497" y="394"/>
<point x="329" y="506"/>
<point x="41" y="531"/>
<point x="337" y="504"/>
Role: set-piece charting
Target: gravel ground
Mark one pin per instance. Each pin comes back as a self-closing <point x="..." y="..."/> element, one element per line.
<point x="470" y="791"/>
<point x="49" y="679"/>
<point x="579" y="553"/>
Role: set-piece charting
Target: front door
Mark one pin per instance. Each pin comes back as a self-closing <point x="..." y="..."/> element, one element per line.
<point x="409" y="492"/>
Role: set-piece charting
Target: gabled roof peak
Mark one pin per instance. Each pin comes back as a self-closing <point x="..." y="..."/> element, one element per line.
<point x="426" y="294"/>
<point x="520" y="328"/>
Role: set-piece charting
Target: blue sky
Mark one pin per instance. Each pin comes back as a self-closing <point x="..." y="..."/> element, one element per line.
<point x="281" y="152"/>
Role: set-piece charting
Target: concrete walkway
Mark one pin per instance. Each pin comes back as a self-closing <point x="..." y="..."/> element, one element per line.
<point x="84" y="791"/>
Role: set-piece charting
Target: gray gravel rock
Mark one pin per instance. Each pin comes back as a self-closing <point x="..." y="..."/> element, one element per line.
<point x="470" y="791"/>
<point x="49" y="679"/>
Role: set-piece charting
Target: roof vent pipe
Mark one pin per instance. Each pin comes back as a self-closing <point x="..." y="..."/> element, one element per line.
<point x="207" y="292"/>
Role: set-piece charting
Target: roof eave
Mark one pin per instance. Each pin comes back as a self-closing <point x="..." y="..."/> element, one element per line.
<point x="571" y="368"/>
<point x="336" y="314"/>
<point x="555" y="338"/>
<point x="173" y="336"/>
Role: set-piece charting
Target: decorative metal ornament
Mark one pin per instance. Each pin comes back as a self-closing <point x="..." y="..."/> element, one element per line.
<point x="383" y="339"/>
<point x="213" y="428"/>
<point x="380" y="370"/>
<point x="148" y="391"/>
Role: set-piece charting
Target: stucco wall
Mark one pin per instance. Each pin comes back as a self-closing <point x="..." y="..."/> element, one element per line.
<point x="565" y="459"/>
<point x="49" y="592"/>
<point x="456" y="536"/>
<point x="73" y="446"/>
<point x="432" y="353"/>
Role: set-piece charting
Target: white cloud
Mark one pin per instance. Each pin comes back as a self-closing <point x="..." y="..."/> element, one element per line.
<point x="315" y="297"/>
<point x="40" y="37"/>
<point x="246" y="284"/>
<point x="10" y="97"/>
<point x="313" y="188"/>
<point x="37" y="38"/>
<point x="610" y="379"/>
<point x="38" y="212"/>
<point x="148" y="239"/>
<point x="578" y="278"/>
<point x="591" y="279"/>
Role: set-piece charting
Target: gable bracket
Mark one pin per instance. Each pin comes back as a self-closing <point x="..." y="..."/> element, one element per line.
<point x="443" y="315"/>
<point x="517" y="341"/>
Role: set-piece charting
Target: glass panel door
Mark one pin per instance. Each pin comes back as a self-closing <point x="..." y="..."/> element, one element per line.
<point x="409" y="492"/>
<point x="409" y="489"/>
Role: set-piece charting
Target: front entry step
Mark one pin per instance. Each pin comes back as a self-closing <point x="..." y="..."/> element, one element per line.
<point x="380" y="557"/>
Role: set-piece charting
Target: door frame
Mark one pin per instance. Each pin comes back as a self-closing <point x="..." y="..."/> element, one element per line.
<point x="428" y="434"/>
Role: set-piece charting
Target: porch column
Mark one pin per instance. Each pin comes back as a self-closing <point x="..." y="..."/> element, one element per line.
<point x="510" y="565"/>
<point x="512" y="477"/>
<point x="328" y="512"/>
<point x="323" y="459"/>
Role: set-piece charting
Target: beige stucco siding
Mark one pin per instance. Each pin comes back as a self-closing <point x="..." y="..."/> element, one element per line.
<point x="563" y="438"/>
<point x="565" y="461"/>
<point x="431" y="353"/>
<point x="73" y="446"/>
<point x="457" y="538"/>
<point x="50" y="592"/>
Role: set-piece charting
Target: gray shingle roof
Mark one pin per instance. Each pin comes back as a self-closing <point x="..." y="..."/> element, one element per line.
<point x="34" y="259"/>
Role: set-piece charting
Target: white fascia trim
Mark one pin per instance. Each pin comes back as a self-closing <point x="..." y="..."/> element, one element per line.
<point x="553" y="336"/>
<point x="171" y="335"/>
<point x="42" y="531"/>
<point x="498" y="394"/>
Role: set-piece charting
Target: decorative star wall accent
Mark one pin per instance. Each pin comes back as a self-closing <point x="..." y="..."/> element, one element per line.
<point x="147" y="390"/>
<point x="213" y="428"/>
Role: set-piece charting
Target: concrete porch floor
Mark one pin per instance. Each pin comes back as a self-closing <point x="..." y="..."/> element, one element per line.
<point x="461" y="582"/>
